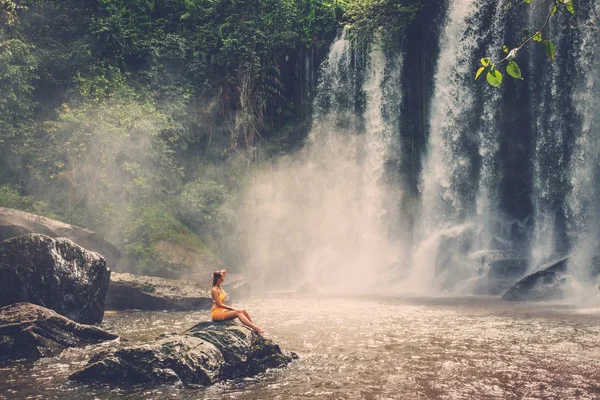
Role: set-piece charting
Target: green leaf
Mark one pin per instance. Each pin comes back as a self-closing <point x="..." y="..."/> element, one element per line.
<point x="527" y="1"/>
<point x="479" y="72"/>
<point x="485" y="61"/>
<point x="537" y="37"/>
<point x="505" y="48"/>
<point x="513" y="70"/>
<point x="570" y="7"/>
<point x="550" y="49"/>
<point x="494" y="77"/>
<point x="554" y="10"/>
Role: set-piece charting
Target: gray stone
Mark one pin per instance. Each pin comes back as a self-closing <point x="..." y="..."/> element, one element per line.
<point x="547" y="284"/>
<point x="28" y="331"/>
<point x="205" y="354"/>
<point x="127" y="291"/>
<point x="54" y="273"/>
<point x="15" y="223"/>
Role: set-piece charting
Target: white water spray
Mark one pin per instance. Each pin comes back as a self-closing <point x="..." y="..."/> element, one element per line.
<point x="320" y="216"/>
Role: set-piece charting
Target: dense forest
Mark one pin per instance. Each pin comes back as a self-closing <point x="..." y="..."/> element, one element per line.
<point x="143" y="120"/>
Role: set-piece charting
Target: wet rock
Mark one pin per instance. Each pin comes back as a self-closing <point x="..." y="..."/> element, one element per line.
<point x="547" y="284"/>
<point x="127" y="291"/>
<point x="15" y="223"/>
<point x="207" y="353"/>
<point x="28" y="331"/>
<point x="54" y="273"/>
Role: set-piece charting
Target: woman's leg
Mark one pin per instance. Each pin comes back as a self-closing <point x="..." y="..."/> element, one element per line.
<point x="237" y="314"/>
<point x="247" y="316"/>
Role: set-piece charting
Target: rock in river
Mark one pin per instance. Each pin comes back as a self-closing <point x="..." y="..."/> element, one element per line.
<point x="205" y="354"/>
<point x="547" y="284"/>
<point x="127" y="291"/>
<point x="54" y="273"/>
<point x="28" y="331"/>
<point x="15" y="223"/>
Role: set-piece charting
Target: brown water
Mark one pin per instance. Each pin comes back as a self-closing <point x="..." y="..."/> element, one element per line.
<point x="359" y="348"/>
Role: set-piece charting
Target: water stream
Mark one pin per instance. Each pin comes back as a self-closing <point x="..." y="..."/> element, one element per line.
<point x="374" y="347"/>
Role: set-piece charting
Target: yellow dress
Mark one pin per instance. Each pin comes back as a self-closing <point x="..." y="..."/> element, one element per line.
<point x="218" y="313"/>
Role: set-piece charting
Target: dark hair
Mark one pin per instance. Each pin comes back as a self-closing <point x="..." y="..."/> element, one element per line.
<point x="216" y="276"/>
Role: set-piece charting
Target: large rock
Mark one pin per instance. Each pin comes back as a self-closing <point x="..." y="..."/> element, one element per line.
<point x="28" y="331"/>
<point x="15" y="223"/>
<point x="547" y="284"/>
<point x="54" y="273"/>
<point x="127" y="291"/>
<point x="205" y="354"/>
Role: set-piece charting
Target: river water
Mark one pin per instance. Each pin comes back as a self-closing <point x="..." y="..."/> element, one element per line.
<point x="370" y="348"/>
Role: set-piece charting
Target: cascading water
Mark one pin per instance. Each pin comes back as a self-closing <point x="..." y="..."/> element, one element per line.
<point x="508" y="177"/>
<point x="550" y="129"/>
<point x="320" y="215"/>
<point x="446" y="179"/>
<point x="460" y="176"/>
<point x="583" y="199"/>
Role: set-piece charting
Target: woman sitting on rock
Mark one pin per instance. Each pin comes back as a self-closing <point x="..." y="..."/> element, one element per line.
<point x="222" y="312"/>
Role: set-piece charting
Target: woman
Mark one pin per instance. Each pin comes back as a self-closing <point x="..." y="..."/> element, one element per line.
<point x="222" y="312"/>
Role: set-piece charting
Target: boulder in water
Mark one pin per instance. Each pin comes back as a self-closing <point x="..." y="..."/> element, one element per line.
<point x="15" y="223"/>
<point x="207" y="353"/>
<point x="54" y="273"/>
<point x="547" y="284"/>
<point x="28" y="331"/>
<point x="127" y="291"/>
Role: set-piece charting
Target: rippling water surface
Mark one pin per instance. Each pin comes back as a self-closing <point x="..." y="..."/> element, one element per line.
<point x="364" y="348"/>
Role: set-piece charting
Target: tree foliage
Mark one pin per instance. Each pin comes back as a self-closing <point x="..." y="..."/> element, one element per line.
<point x="111" y="111"/>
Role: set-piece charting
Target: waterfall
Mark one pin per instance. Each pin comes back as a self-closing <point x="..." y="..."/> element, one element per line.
<point x="508" y="177"/>
<point x="584" y="197"/>
<point x="446" y="179"/>
<point x="322" y="215"/>
<point x="551" y="132"/>
<point x="460" y="175"/>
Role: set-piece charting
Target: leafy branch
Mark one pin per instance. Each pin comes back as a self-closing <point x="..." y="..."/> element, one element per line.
<point x="494" y="76"/>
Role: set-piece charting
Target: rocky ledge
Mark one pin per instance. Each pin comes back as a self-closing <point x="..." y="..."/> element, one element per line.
<point x="205" y="354"/>
<point x="130" y="292"/>
<point x="54" y="273"/>
<point x="28" y="331"/>
<point x="127" y="291"/>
